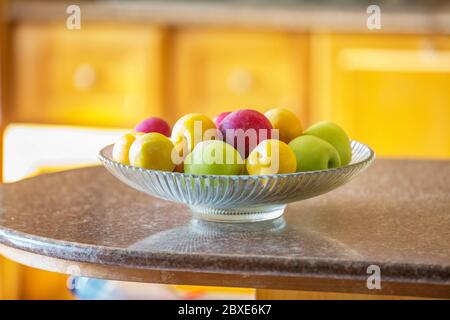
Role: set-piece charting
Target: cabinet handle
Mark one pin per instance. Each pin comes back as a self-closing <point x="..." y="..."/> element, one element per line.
<point x="240" y="81"/>
<point x="390" y="60"/>
<point x="84" y="77"/>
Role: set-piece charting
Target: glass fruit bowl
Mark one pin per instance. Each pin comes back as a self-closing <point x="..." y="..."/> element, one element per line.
<point x="240" y="198"/>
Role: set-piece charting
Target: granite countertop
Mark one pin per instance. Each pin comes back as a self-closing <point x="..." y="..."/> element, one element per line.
<point x="395" y="215"/>
<point x="401" y="16"/>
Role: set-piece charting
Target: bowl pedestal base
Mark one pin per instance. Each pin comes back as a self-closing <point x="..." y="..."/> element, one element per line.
<point x="238" y="215"/>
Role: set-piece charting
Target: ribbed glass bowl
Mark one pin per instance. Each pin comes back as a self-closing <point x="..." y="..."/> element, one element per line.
<point x="240" y="198"/>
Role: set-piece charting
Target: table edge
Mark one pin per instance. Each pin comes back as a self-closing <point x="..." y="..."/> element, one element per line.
<point x="259" y="281"/>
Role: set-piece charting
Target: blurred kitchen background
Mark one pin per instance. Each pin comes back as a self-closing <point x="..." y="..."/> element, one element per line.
<point x="66" y="93"/>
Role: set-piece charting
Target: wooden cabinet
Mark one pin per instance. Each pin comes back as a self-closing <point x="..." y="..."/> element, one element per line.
<point x="216" y="71"/>
<point x="389" y="91"/>
<point x="100" y="75"/>
<point x="40" y="284"/>
<point x="9" y="279"/>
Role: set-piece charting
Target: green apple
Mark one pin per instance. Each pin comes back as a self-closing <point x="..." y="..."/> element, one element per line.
<point x="313" y="153"/>
<point x="335" y="136"/>
<point x="214" y="157"/>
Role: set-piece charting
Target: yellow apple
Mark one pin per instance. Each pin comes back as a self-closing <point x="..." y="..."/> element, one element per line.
<point x="189" y="130"/>
<point x="122" y="147"/>
<point x="152" y="151"/>
<point x="288" y="124"/>
<point x="271" y="157"/>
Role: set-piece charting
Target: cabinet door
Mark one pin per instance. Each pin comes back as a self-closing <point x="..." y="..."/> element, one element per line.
<point x="392" y="92"/>
<point x="9" y="279"/>
<point x="99" y="75"/>
<point x="218" y="71"/>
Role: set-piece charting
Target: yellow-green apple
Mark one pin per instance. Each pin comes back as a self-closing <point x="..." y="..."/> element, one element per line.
<point x="288" y="124"/>
<point x="313" y="153"/>
<point x="122" y="147"/>
<point x="245" y="129"/>
<point x="334" y="135"/>
<point x="214" y="157"/>
<point x="271" y="157"/>
<point x="189" y="130"/>
<point x="152" y="151"/>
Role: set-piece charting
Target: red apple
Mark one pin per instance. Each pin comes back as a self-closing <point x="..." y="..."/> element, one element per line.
<point x="218" y="119"/>
<point x="245" y="129"/>
<point x="153" y="124"/>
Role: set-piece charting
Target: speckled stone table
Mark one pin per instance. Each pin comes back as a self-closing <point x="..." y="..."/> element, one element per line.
<point x="396" y="215"/>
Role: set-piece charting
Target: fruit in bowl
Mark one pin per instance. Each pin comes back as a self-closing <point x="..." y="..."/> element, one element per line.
<point x="245" y="129"/>
<point x="189" y="130"/>
<point x="288" y="125"/>
<point x="334" y="135"/>
<point x="271" y="157"/>
<point x="152" y="151"/>
<point x="153" y="124"/>
<point x="219" y="118"/>
<point x="241" y="130"/>
<point x="313" y="153"/>
<point x="122" y="147"/>
<point x="214" y="157"/>
<point x="221" y="182"/>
